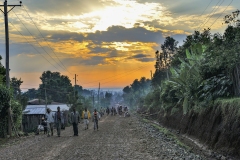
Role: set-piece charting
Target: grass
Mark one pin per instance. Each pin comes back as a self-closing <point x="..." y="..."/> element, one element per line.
<point x="232" y="103"/>
<point x="235" y="102"/>
<point x="167" y="133"/>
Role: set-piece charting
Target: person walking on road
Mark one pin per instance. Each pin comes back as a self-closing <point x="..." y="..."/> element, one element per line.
<point x="75" y="119"/>
<point x="95" y="118"/>
<point x="50" y="121"/>
<point x="107" y="110"/>
<point x="58" y="120"/>
<point x="86" y="116"/>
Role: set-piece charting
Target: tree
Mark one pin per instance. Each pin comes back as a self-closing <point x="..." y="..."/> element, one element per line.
<point x="2" y="73"/>
<point x="15" y="84"/>
<point x="5" y="96"/>
<point x="108" y="97"/>
<point x="197" y="37"/>
<point x="133" y="95"/>
<point x="185" y="80"/>
<point x="31" y="93"/>
<point x="57" y="86"/>
<point x="78" y="89"/>
<point x="168" y="50"/>
<point x="10" y="97"/>
<point x="126" y="89"/>
<point x="232" y="19"/>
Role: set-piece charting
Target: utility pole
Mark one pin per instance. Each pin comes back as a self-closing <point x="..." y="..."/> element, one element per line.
<point x="151" y="74"/>
<point x="98" y="96"/>
<point x="5" y="12"/>
<point x="75" y="80"/>
<point x="45" y="96"/>
<point x="93" y="99"/>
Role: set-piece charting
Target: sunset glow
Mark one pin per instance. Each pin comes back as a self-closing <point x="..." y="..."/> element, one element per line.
<point x="111" y="42"/>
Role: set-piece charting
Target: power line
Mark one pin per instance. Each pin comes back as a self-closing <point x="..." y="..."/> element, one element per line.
<point x="35" y="38"/>
<point x="45" y="39"/>
<point x="120" y="76"/>
<point x="117" y="75"/>
<point x="126" y="73"/>
<point x="33" y="46"/>
<point x="213" y="13"/>
<point x="206" y="7"/>
<point x="221" y="13"/>
<point x="203" y="22"/>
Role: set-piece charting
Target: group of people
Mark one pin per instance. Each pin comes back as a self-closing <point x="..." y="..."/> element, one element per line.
<point x="120" y="110"/>
<point x="50" y="119"/>
<point x="75" y="119"/>
<point x="57" y="118"/>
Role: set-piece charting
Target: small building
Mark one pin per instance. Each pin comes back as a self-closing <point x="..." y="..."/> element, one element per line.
<point x="32" y="115"/>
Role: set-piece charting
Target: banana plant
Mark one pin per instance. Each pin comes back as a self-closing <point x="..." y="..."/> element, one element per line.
<point x="186" y="79"/>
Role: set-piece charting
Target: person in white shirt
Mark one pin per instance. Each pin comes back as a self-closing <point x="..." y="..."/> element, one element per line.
<point x="50" y="121"/>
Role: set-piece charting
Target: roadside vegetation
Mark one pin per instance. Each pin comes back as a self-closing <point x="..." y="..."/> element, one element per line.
<point x="54" y="87"/>
<point x="193" y="76"/>
<point x="195" y="88"/>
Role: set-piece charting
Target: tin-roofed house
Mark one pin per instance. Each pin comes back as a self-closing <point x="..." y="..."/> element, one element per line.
<point x="33" y="113"/>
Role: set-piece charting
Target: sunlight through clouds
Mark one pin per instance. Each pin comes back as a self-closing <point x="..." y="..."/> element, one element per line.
<point x="101" y="36"/>
<point x="124" y="13"/>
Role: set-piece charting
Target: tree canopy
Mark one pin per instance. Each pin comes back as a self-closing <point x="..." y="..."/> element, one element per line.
<point x="57" y="86"/>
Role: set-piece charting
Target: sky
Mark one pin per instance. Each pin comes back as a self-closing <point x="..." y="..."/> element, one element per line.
<point x="111" y="42"/>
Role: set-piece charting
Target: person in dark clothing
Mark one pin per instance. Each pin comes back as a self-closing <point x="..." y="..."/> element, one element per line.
<point x="95" y="119"/>
<point x="75" y="118"/>
<point x="58" y="120"/>
<point x="107" y="110"/>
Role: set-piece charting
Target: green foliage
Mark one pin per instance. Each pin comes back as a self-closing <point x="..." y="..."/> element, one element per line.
<point x="133" y="94"/>
<point x="182" y="87"/>
<point x="57" y="86"/>
<point x="232" y="19"/>
<point x="195" y="75"/>
<point x="16" y="114"/>
<point x="15" y="84"/>
<point x="31" y="93"/>
<point x="5" y="96"/>
<point x="158" y="77"/>
<point x="2" y="72"/>
<point x="106" y="100"/>
<point x="215" y="87"/>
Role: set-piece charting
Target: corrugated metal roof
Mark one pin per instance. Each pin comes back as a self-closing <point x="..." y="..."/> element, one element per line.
<point x="40" y="109"/>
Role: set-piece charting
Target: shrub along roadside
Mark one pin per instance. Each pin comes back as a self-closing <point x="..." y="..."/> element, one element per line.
<point x="5" y="96"/>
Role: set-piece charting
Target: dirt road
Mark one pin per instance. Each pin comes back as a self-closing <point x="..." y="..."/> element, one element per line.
<point x="118" y="138"/>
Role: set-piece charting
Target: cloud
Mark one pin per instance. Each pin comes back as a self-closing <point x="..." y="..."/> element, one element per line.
<point x="121" y="34"/>
<point x="63" y="7"/>
<point x="91" y="15"/>
<point x="142" y="58"/>
<point x="96" y="60"/>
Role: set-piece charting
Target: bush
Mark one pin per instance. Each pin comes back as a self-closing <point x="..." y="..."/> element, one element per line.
<point x="4" y="106"/>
